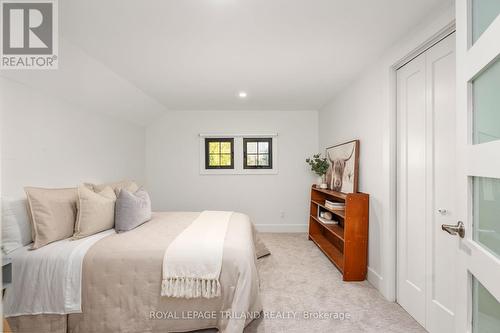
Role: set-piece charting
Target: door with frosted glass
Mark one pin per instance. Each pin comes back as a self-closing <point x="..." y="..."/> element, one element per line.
<point x="478" y="166"/>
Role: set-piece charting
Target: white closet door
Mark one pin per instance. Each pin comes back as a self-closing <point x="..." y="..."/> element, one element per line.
<point x="441" y="152"/>
<point x="426" y="178"/>
<point x="412" y="203"/>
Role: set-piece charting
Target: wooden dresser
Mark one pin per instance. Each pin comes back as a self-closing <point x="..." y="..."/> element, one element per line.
<point x="345" y="243"/>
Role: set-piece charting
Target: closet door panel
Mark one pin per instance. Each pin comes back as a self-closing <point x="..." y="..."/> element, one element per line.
<point x="412" y="201"/>
<point x="426" y="186"/>
<point x="441" y="183"/>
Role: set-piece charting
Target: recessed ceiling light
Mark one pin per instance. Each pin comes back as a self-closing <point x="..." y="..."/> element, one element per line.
<point x="242" y="94"/>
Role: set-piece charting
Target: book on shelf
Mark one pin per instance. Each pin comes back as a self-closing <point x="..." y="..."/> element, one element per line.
<point x="334" y="205"/>
<point x="325" y="221"/>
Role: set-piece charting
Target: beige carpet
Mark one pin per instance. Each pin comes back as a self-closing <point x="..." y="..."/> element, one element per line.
<point x="298" y="277"/>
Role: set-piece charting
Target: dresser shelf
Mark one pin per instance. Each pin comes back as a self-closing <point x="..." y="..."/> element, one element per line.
<point x="345" y="243"/>
<point x="330" y="250"/>
<point x="335" y="229"/>
<point x="339" y="212"/>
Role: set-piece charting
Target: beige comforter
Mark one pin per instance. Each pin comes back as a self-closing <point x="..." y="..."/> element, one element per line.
<point x="122" y="280"/>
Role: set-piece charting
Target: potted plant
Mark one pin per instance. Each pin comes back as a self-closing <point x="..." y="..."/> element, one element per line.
<point x="319" y="166"/>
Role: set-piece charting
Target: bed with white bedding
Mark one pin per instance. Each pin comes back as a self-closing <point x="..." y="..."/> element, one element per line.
<point x="49" y="280"/>
<point x="121" y="279"/>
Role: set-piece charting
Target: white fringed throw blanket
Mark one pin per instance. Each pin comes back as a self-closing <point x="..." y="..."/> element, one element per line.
<point x="192" y="263"/>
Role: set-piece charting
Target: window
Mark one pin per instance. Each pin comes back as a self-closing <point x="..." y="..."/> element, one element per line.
<point x="257" y="153"/>
<point x="238" y="154"/>
<point x="219" y="153"/>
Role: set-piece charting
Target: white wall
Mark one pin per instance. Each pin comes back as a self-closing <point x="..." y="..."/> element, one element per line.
<point x="82" y="80"/>
<point x="173" y="176"/>
<point x="49" y="142"/>
<point x="365" y="110"/>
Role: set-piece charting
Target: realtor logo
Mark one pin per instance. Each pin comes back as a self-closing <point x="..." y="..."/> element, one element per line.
<point x="29" y="34"/>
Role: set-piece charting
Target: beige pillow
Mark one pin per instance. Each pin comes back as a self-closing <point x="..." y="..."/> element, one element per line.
<point x="116" y="186"/>
<point x="52" y="213"/>
<point x="96" y="211"/>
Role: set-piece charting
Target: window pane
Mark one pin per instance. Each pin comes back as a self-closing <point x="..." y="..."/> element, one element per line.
<point x="225" y="160"/>
<point x="219" y="153"/>
<point x="214" y="160"/>
<point x="251" y="160"/>
<point x="225" y="147"/>
<point x="484" y="13"/>
<point x="487" y="104"/>
<point x="486" y="208"/>
<point x="263" y="147"/>
<point x="485" y="309"/>
<point x="264" y="160"/>
<point x="252" y="147"/>
<point x="214" y="147"/>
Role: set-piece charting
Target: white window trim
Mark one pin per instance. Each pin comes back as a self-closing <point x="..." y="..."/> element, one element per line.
<point x="238" y="154"/>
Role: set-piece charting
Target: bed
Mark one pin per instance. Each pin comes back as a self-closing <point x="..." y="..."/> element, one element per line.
<point x="121" y="282"/>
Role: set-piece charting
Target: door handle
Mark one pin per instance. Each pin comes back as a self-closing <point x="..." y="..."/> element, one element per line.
<point x="454" y="229"/>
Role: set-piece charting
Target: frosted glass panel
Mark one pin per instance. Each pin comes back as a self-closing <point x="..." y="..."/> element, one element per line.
<point x="486" y="222"/>
<point x="486" y="104"/>
<point x="485" y="310"/>
<point x="483" y="13"/>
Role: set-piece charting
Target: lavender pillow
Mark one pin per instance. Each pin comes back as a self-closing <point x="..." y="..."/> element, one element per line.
<point x="132" y="209"/>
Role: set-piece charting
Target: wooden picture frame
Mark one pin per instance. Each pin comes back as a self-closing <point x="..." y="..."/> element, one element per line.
<point x="343" y="172"/>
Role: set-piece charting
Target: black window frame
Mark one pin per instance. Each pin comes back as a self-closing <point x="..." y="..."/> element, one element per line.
<point x="269" y="153"/>
<point x="207" y="153"/>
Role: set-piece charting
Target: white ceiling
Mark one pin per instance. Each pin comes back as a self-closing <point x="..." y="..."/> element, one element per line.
<point x="90" y="86"/>
<point x="139" y="58"/>
<point x="197" y="54"/>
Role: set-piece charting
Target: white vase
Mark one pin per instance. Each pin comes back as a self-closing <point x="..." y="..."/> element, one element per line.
<point x="324" y="185"/>
<point x="322" y="182"/>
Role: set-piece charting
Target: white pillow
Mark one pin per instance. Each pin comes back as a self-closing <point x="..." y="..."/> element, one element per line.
<point x="16" y="228"/>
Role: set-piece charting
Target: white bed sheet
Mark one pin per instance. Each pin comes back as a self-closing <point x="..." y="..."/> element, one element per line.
<point x="48" y="280"/>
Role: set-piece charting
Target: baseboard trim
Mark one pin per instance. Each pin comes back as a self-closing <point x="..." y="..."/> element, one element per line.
<point x="282" y="227"/>
<point x="375" y="279"/>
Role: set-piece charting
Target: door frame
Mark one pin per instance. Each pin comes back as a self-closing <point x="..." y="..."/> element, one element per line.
<point x="432" y="39"/>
